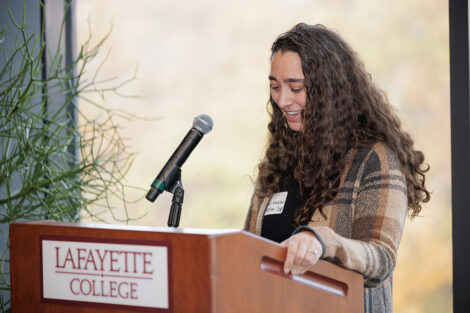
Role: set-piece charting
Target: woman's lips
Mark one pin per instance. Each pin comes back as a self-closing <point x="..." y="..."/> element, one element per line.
<point x="293" y="116"/>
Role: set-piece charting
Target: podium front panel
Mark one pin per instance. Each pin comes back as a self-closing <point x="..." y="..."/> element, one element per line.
<point x="208" y="271"/>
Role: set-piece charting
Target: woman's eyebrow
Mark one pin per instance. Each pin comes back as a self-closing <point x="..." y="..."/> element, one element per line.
<point x="288" y="80"/>
<point x="294" y="80"/>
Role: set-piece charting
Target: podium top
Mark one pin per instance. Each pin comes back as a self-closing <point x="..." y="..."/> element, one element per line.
<point x="191" y="231"/>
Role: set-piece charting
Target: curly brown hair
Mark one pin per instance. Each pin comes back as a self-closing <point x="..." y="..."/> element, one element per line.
<point x="344" y="111"/>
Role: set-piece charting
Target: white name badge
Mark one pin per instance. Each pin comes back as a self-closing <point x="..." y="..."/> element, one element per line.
<point x="120" y="274"/>
<point x="276" y="204"/>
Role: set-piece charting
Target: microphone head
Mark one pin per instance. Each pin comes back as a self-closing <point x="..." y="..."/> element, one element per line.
<point x="203" y="123"/>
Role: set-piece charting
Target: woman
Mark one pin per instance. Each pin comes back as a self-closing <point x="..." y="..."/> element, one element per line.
<point x="339" y="175"/>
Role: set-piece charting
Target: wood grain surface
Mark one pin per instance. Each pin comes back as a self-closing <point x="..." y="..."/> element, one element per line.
<point x="210" y="272"/>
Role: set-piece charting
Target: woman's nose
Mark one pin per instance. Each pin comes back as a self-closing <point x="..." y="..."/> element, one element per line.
<point x="285" y="99"/>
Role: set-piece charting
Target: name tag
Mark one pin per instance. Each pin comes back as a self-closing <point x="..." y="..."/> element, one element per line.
<point x="276" y="204"/>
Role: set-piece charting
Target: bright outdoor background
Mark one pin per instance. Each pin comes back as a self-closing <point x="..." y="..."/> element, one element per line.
<point x="212" y="57"/>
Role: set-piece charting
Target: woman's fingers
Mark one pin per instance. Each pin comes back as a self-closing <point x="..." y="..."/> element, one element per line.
<point x="298" y="267"/>
<point x="303" y="251"/>
<point x="291" y="254"/>
<point x="309" y="260"/>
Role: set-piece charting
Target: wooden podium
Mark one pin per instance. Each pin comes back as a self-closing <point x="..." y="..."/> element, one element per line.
<point x="208" y="271"/>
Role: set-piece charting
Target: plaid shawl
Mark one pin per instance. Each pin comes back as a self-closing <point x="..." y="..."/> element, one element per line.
<point x="362" y="227"/>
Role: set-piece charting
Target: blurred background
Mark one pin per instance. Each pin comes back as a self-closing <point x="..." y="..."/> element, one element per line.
<point x="192" y="57"/>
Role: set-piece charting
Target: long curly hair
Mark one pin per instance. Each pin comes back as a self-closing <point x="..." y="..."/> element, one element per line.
<point x="344" y="111"/>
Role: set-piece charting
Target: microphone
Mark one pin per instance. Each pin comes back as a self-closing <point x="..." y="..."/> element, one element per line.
<point x="170" y="174"/>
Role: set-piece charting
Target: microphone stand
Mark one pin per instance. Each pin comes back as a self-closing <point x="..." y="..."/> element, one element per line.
<point x="177" y="201"/>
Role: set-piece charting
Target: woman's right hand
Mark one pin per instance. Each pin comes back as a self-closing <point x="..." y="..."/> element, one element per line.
<point x="303" y="252"/>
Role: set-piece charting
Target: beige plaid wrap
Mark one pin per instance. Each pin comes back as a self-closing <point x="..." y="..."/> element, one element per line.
<point x="362" y="227"/>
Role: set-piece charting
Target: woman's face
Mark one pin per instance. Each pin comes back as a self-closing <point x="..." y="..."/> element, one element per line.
<point x="287" y="87"/>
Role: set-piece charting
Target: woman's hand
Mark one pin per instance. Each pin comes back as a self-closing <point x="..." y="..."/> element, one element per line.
<point x="303" y="251"/>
